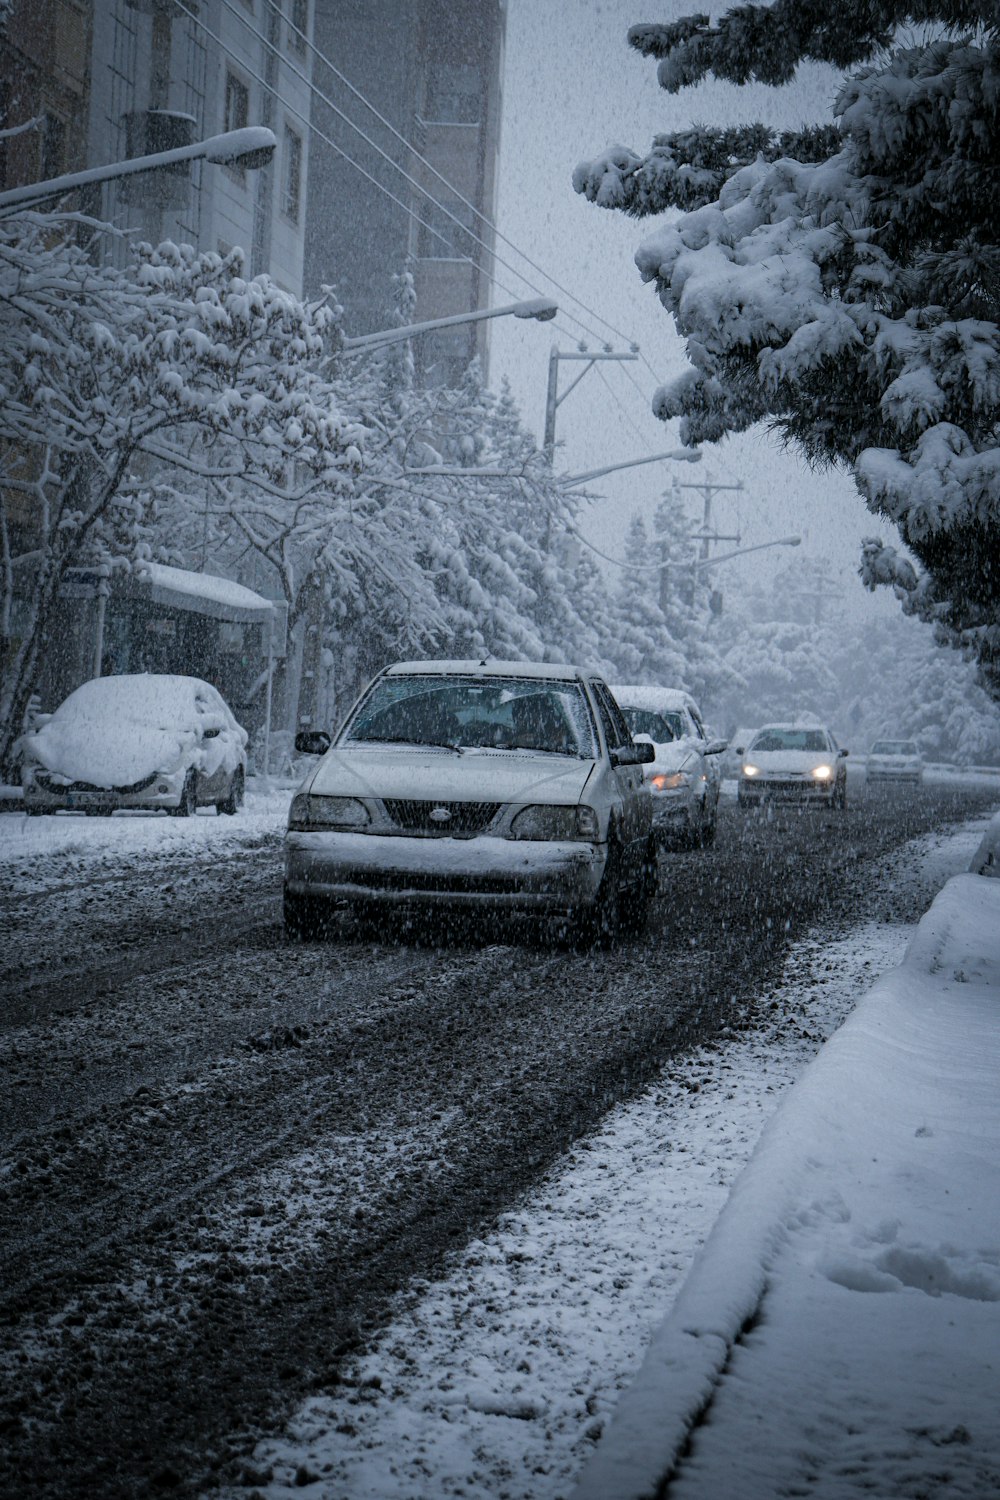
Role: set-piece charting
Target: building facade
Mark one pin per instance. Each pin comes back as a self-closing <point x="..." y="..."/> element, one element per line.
<point x="434" y="70"/>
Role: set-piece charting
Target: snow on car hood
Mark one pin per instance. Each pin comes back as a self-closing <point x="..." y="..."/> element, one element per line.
<point x="426" y="774"/>
<point x="790" y="762"/>
<point x="115" y="731"/>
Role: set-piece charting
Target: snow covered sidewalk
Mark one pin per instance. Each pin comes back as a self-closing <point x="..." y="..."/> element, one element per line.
<point x="838" y="1334"/>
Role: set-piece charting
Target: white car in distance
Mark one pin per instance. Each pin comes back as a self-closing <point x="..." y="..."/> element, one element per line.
<point x="475" y="786"/>
<point x="894" y="761"/>
<point x="793" y="763"/>
<point x="684" y="779"/>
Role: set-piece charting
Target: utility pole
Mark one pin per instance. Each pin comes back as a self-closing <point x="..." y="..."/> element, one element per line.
<point x="552" y="398"/>
<point x="708" y="489"/>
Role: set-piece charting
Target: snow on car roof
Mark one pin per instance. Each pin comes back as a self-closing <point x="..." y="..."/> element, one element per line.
<point x="796" y="724"/>
<point x="546" y="670"/>
<point x="205" y="587"/>
<point x="644" y="696"/>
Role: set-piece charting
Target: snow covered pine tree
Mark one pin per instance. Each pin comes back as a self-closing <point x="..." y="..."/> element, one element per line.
<point x="843" y="282"/>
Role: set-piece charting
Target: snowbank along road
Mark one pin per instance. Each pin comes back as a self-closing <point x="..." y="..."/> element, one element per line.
<point x="222" y="1153"/>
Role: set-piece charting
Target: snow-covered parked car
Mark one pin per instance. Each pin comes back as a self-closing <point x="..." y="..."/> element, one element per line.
<point x="145" y="740"/>
<point x="894" y="760"/>
<point x="793" y="763"/>
<point x="684" y="778"/>
<point x="492" y="785"/>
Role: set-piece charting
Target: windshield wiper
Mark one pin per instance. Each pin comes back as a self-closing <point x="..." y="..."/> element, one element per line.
<point x="402" y="739"/>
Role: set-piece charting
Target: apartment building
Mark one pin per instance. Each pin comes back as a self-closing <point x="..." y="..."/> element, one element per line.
<point x="433" y="69"/>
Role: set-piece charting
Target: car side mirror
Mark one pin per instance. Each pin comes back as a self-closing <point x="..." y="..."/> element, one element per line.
<point x="739" y="749"/>
<point x="312" y="742"/>
<point x="842" y="752"/>
<point x="716" y="747"/>
<point x="634" y="755"/>
<point x="210" y="734"/>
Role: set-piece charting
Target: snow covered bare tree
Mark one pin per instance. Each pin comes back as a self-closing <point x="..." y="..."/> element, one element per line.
<point x="174" y="362"/>
<point x="844" y="284"/>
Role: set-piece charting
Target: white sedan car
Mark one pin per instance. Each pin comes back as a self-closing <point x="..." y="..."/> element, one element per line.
<point x="793" y="763"/>
<point x="144" y="740"/>
<point x="684" y="779"/>
<point x="497" y="786"/>
<point x="894" y="760"/>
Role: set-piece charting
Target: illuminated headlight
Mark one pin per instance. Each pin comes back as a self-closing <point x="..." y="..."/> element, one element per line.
<point x="751" y="770"/>
<point x="662" y="782"/>
<point x="541" y="822"/>
<point x="823" y="773"/>
<point x="311" y="814"/>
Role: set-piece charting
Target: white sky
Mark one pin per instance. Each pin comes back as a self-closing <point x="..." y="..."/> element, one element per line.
<point x="572" y="87"/>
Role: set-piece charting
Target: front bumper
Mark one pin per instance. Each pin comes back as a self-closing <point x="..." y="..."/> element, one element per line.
<point x="97" y="799"/>
<point x="505" y="874"/>
<point x="785" y="789"/>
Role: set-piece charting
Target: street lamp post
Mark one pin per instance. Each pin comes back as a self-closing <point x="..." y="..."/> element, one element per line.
<point x="539" y="308"/>
<point x="250" y="148"/>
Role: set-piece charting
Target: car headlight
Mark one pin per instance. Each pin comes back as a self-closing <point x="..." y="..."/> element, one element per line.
<point x="823" y="773"/>
<point x="312" y="814"/>
<point x="751" y="770"/>
<point x="542" y="822"/>
<point x="664" y="782"/>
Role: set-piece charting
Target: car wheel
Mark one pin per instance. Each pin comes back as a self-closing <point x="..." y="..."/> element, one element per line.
<point x="597" y="925"/>
<point x="233" y="801"/>
<point x="634" y="904"/>
<point x="708" y="829"/>
<point x="305" y="916"/>
<point x="839" y="798"/>
<point x="35" y="812"/>
<point x="188" y="804"/>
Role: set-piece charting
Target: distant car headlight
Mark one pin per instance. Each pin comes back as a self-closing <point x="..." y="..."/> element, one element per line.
<point x="311" y="814"/>
<point x="542" y="822"/>
<point x="751" y="770"/>
<point x="823" y="773"/>
<point x="664" y="782"/>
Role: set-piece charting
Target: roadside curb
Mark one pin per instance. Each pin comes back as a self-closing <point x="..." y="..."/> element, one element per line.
<point x="726" y="1286"/>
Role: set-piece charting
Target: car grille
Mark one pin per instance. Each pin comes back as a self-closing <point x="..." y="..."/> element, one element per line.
<point x="463" y="817"/>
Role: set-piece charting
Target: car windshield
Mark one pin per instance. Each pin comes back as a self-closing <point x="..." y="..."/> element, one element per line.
<point x="894" y="747"/>
<point x="475" y="713"/>
<point x="661" y="727"/>
<point x="790" y="739"/>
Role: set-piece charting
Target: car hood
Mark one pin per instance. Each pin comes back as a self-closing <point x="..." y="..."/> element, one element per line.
<point x="791" y="762"/>
<point x="672" y="755"/>
<point x="84" y="751"/>
<point x="430" y="774"/>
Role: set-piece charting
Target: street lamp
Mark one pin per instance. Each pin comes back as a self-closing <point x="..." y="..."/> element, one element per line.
<point x="249" y="148"/>
<point x="539" y="308"/>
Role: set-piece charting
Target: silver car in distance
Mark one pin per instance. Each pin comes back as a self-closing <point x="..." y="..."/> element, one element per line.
<point x="475" y="785"/>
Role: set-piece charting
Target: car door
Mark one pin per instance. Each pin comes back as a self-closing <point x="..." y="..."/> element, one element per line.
<point x="635" y="813"/>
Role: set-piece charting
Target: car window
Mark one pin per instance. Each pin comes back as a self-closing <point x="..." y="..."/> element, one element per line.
<point x="812" y="740"/>
<point x="616" y="730"/>
<point x="660" y="727"/>
<point x="491" y="713"/>
<point x="894" y="747"/>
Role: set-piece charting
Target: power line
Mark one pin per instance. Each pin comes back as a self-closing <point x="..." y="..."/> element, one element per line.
<point x="314" y="89"/>
<point x="451" y="189"/>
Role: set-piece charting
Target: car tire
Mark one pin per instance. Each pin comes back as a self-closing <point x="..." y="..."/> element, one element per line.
<point x="187" y="805"/>
<point x="634" y="905"/>
<point x="597" y="926"/>
<point x="709" y="829"/>
<point x="305" y="916"/>
<point x="839" y="798"/>
<point x="35" y="812"/>
<point x="233" y="801"/>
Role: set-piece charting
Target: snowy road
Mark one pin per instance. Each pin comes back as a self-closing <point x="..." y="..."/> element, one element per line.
<point x="223" y="1153"/>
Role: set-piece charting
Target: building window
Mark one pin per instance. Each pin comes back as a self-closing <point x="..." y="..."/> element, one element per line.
<point x="291" y="196"/>
<point x="298" y="25"/>
<point x="454" y="94"/>
<point x="444" y="356"/>
<point x="440" y="238"/>
<point x="237" y="115"/>
<point x="54" y="147"/>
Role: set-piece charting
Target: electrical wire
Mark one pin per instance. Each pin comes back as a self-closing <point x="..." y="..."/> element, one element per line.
<point x="484" y="218"/>
<point x="339" y="113"/>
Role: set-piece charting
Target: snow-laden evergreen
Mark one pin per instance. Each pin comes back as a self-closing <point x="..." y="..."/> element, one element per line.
<point x="843" y="284"/>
